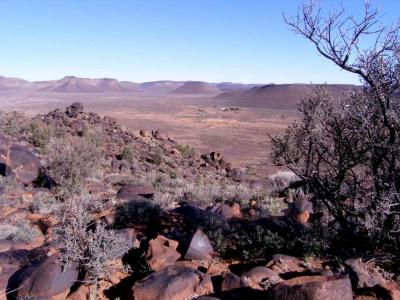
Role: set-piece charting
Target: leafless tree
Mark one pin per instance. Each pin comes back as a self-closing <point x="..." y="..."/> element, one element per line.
<point x="350" y="154"/>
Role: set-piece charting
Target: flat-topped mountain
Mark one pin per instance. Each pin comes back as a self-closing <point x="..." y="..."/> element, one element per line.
<point x="197" y="87"/>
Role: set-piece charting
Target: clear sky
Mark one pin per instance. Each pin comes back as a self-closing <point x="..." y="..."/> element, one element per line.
<point x="210" y="40"/>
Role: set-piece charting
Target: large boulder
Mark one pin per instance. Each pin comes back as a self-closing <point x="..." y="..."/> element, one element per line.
<point x="19" y="161"/>
<point x="200" y="247"/>
<point x="173" y="283"/>
<point x="45" y="279"/>
<point x="162" y="253"/>
<point x="11" y="262"/>
<point x="313" y="288"/>
<point x="74" y="109"/>
<point x="131" y="192"/>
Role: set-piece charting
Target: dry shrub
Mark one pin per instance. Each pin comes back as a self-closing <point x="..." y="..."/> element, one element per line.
<point x="88" y="241"/>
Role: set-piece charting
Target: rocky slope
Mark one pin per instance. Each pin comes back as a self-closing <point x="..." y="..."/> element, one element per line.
<point x="150" y="218"/>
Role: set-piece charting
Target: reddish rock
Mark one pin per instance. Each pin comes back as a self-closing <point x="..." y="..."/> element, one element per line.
<point x="162" y="253"/>
<point x="46" y="279"/>
<point x="313" y="288"/>
<point x="173" y="283"/>
<point x="200" y="247"/>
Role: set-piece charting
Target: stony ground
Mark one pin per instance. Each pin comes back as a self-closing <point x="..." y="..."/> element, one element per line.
<point x="90" y="210"/>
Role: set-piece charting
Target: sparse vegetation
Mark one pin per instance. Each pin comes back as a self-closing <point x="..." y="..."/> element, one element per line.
<point x="69" y="162"/>
<point x="128" y="153"/>
<point x="186" y="150"/>
<point x="349" y="154"/>
<point x="21" y="231"/>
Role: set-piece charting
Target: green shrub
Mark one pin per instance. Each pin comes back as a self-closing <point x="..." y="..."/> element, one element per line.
<point x="128" y="153"/>
<point x="186" y="150"/>
<point x="70" y="161"/>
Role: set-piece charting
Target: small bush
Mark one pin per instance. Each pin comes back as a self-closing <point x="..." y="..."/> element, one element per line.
<point x="156" y="156"/>
<point x="282" y="179"/>
<point x="39" y="134"/>
<point x="128" y="153"/>
<point x="44" y="203"/>
<point x="145" y="212"/>
<point x="70" y="162"/>
<point x="186" y="150"/>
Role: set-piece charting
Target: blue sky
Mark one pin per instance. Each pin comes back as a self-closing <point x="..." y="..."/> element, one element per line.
<point x="210" y="40"/>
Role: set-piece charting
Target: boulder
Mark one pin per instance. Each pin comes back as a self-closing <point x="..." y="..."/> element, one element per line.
<point x="236" y="174"/>
<point x="10" y="263"/>
<point x="162" y="253"/>
<point x="133" y="192"/>
<point x="313" y="288"/>
<point x="300" y="210"/>
<point x="74" y="109"/>
<point x="159" y="135"/>
<point x="364" y="275"/>
<point x="173" y="283"/>
<point x="282" y="263"/>
<point x="263" y="275"/>
<point x="19" y="161"/>
<point x="232" y="281"/>
<point x="227" y="211"/>
<point x="199" y="247"/>
<point x="45" y="279"/>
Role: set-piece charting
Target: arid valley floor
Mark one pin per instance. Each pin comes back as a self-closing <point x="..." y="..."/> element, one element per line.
<point x="198" y="120"/>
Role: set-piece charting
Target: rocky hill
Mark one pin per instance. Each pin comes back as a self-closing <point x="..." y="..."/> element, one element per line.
<point x="90" y="210"/>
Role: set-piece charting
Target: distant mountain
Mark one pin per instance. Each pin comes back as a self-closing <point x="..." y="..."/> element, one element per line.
<point x="72" y="84"/>
<point x="278" y="96"/>
<point x="232" y="86"/>
<point x="9" y="83"/>
<point x="163" y="86"/>
<point x="197" y="88"/>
